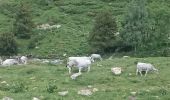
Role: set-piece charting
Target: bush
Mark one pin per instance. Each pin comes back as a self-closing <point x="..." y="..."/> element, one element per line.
<point x="103" y="35"/>
<point x="16" y="87"/>
<point x="51" y="87"/>
<point x="23" y="22"/>
<point x="8" y="45"/>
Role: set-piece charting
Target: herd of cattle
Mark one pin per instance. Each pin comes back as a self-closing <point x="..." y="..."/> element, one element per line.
<point x="80" y="63"/>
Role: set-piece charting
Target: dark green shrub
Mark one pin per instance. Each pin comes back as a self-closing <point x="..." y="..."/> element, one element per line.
<point x="16" y="87"/>
<point x="51" y="87"/>
<point x="23" y="21"/>
<point x="8" y="45"/>
<point x="103" y="35"/>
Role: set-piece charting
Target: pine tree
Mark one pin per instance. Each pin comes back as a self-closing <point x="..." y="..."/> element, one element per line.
<point x="23" y="22"/>
<point x="8" y="45"/>
<point x="102" y="35"/>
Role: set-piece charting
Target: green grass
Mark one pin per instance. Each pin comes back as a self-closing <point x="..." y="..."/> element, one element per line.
<point x="32" y="80"/>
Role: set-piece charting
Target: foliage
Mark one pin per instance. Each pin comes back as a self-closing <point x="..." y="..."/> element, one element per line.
<point x="76" y="18"/>
<point x="51" y="87"/>
<point x="102" y="35"/>
<point x="16" y="87"/>
<point x="135" y="31"/>
<point x="8" y="45"/>
<point x="23" y="22"/>
<point x="160" y="15"/>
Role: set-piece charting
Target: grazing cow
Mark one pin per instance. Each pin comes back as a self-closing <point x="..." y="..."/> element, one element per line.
<point x="79" y="63"/>
<point x="145" y="67"/>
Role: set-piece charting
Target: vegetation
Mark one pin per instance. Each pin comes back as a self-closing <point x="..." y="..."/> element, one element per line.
<point x="44" y="81"/>
<point x="103" y="33"/>
<point x="23" y="23"/>
<point x="8" y="45"/>
<point x="76" y="18"/>
<point x="135" y="30"/>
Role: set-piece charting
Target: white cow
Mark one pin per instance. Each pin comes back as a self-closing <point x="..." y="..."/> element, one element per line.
<point x="24" y="59"/>
<point x="79" y="63"/>
<point x="145" y="67"/>
<point x="96" y="56"/>
<point x="9" y="62"/>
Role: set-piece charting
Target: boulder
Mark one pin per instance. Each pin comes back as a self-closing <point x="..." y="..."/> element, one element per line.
<point x="116" y="70"/>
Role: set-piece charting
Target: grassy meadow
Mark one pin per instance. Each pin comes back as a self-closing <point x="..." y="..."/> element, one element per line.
<point x="44" y="81"/>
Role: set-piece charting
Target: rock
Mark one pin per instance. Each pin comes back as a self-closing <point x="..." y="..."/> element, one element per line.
<point x="32" y="78"/>
<point x="85" y="92"/>
<point x="3" y="82"/>
<point x="130" y="74"/>
<point x="45" y="61"/>
<point x="55" y="62"/>
<point x="131" y="98"/>
<point x="125" y="56"/>
<point x="89" y="86"/>
<point x="7" y="98"/>
<point x="35" y="98"/>
<point x="133" y="93"/>
<point x="99" y="65"/>
<point x="63" y="93"/>
<point x="36" y="47"/>
<point x="116" y="70"/>
<point x="64" y="54"/>
<point x="75" y="75"/>
<point x="95" y="90"/>
<point x="36" y="60"/>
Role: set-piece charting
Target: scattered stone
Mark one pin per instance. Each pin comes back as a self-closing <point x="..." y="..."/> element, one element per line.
<point x="64" y="54"/>
<point x="63" y="93"/>
<point x="133" y="93"/>
<point x="95" y="90"/>
<point x="85" y="92"/>
<point x="35" y="98"/>
<point x="7" y="98"/>
<point x="75" y="75"/>
<point x="36" y="47"/>
<point x="130" y="74"/>
<point x="156" y="96"/>
<point x="125" y="56"/>
<point x="110" y="3"/>
<point x="99" y="65"/>
<point x="47" y="26"/>
<point x="55" y="62"/>
<point x="131" y="98"/>
<point x="34" y="88"/>
<point x="116" y="70"/>
<point x="45" y="61"/>
<point x="3" y="82"/>
<point x="110" y="58"/>
<point x="89" y="86"/>
<point x="36" y="60"/>
<point x="32" y="78"/>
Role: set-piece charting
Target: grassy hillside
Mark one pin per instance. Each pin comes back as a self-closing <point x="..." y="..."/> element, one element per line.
<point x="38" y="80"/>
<point x="76" y="18"/>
